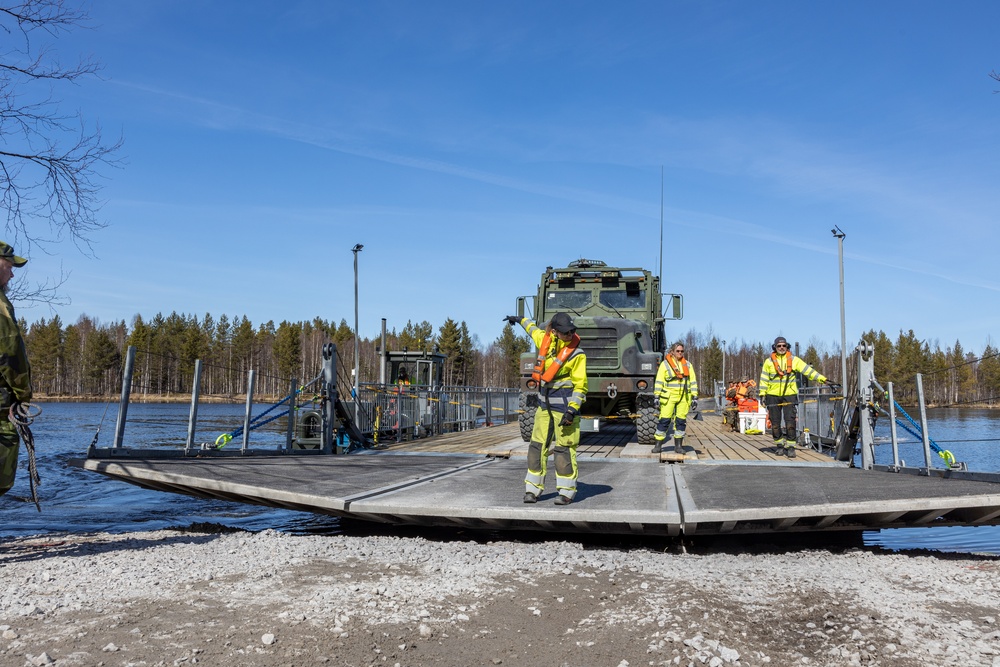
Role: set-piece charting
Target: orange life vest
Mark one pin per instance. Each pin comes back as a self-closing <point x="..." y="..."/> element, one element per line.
<point x="549" y="374"/>
<point x="682" y="369"/>
<point x="777" y="364"/>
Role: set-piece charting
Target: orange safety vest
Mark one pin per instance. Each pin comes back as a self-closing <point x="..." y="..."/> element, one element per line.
<point x="549" y="374"/>
<point x="683" y="370"/>
<point x="777" y="365"/>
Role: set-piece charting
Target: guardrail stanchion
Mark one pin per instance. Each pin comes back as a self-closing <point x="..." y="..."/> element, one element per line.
<point x="246" y="418"/>
<point x="193" y="414"/>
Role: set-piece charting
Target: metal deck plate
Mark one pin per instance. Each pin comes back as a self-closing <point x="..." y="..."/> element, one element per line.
<point x="615" y="495"/>
<point x="738" y="498"/>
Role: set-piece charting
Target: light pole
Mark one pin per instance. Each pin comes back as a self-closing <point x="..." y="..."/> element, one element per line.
<point x="843" y="325"/>
<point x="356" y="249"/>
<point x="724" y="385"/>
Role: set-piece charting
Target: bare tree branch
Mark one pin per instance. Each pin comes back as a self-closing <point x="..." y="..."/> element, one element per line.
<point x="50" y="162"/>
<point x="996" y="77"/>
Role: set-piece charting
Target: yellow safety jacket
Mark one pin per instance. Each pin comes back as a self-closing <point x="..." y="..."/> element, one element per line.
<point x="779" y="375"/>
<point x="675" y="381"/>
<point x="568" y="389"/>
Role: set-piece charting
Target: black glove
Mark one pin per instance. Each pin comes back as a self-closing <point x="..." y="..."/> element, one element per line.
<point x="513" y="319"/>
<point x="694" y="404"/>
<point x="568" y="416"/>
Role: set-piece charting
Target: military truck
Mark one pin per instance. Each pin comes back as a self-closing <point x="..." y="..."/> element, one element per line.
<point x="619" y="317"/>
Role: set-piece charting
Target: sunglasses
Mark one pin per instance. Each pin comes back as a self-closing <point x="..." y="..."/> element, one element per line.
<point x="782" y="345"/>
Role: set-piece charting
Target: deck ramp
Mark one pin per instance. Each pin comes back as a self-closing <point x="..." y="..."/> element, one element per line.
<point x="615" y="495"/>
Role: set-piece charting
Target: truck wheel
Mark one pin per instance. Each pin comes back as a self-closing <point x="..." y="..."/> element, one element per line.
<point x="645" y="425"/>
<point x="527" y="406"/>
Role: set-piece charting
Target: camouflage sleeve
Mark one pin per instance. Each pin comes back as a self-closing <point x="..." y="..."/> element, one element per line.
<point x="15" y="371"/>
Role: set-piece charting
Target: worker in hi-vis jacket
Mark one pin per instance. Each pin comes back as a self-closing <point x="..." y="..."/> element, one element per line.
<point x="561" y="373"/>
<point x="676" y="387"/>
<point x="779" y="390"/>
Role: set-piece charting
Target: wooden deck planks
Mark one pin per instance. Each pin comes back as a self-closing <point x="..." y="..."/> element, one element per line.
<point x="708" y="440"/>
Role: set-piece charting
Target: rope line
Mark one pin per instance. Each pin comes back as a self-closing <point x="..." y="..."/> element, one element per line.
<point x="226" y="438"/>
<point x="947" y="456"/>
<point x="21" y="416"/>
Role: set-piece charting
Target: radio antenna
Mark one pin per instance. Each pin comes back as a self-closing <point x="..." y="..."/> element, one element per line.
<point x="661" y="228"/>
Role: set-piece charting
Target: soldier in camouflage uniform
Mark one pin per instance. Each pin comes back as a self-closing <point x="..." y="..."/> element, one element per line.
<point x="15" y="372"/>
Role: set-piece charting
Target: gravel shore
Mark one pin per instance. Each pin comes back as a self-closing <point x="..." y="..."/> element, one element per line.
<point x="233" y="598"/>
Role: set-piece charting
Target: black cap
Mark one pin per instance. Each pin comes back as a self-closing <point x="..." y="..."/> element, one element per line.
<point x="562" y="323"/>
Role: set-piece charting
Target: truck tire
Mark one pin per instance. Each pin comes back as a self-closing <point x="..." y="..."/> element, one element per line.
<point x="647" y="410"/>
<point x="645" y="425"/>
<point x="527" y="406"/>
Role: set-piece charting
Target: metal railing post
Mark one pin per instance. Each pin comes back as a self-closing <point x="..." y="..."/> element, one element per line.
<point x="193" y="414"/>
<point x="438" y="396"/>
<point x="290" y="430"/>
<point x="923" y="423"/>
<point x="892" y="426"/>
<point x="329" y="394"/>
<point x="246" y="417"/>
<point x="126" y="392"/>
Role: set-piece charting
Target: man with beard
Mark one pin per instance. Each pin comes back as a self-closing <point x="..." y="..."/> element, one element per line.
<point x="15" y="372"/>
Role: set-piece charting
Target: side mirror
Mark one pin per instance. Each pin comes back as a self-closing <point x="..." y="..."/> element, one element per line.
<point x="520" y="306"/>
<point x="674" y="306"/>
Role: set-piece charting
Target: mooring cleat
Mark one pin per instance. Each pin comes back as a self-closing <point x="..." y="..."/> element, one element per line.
<point x="529" y="497"/>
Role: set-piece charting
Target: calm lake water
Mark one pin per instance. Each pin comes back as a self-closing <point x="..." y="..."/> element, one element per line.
<point x="77" y="501"/>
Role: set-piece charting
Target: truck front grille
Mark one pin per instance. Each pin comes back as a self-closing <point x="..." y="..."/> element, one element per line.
<point x="601" y="347"/>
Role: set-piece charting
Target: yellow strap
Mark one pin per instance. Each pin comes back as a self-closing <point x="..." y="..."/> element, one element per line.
<point x="949" y="458"/>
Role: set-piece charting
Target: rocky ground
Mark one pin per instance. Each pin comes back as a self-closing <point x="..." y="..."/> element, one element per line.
<point x="213" y="597"/>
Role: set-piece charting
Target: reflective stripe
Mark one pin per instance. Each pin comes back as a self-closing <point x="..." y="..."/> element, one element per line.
<point x="566" y="486"/>
<point x="775" y="382"/>
<point x="533" y="483"/>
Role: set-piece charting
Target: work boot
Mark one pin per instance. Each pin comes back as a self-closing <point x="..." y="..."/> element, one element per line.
<point x="779" y="447"/>
<point x="790" y="451"/>
<point x="678" y="445"/>
<point x="658" y="447"/>
<point x="529" y="497"/>
<point x="563" y="500"/>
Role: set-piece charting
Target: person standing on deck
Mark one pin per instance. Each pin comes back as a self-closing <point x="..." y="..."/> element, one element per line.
<point x="15" y="371"/>
<point x="779" y="390"/>
<point x="676" y="387"/>
<point x="561" y="373"/>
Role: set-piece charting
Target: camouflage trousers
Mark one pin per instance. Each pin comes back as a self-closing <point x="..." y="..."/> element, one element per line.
<point x="10" y="446"/>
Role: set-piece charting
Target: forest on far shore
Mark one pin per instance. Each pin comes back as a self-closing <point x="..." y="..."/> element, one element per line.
<point x="84" y="359"/>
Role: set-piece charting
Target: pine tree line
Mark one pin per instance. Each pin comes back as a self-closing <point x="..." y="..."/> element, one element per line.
<point x="85" y="358"/>
<point x="951" y="376"/>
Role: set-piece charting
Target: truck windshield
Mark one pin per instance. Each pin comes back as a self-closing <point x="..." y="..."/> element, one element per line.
<point x="573" y="300"/>
<point x="622" y="299"/>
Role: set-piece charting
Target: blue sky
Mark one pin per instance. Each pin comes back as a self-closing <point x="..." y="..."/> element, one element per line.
<point x="468" y="145"/>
